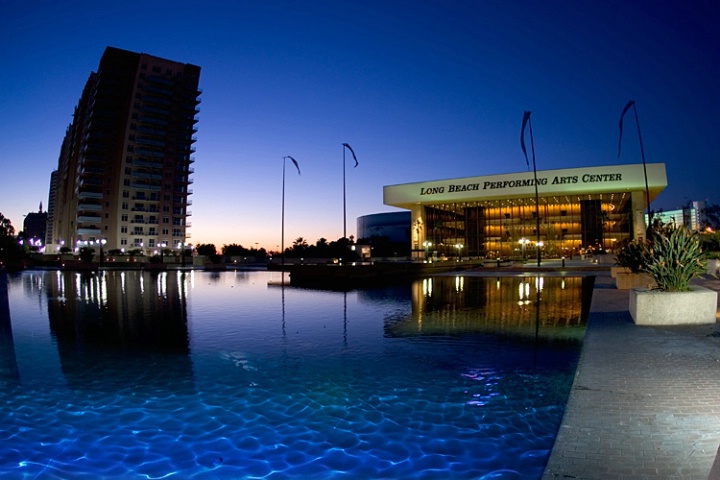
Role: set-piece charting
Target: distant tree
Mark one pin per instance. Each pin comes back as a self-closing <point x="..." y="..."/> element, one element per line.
<point x="10" y="251"/>
<point x="710" y="241"/>
<point x="258" y="252"/>
<point x="86" y="254"/>
<point x="299" y="248"/>
<point x="711" y="214"/>
<point x="234" y="250"/>
<point x="206" y="249"/>
<point x="6" y="228"/>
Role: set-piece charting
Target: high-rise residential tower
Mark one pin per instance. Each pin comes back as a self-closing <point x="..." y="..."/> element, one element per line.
<point x="123" y="175"/>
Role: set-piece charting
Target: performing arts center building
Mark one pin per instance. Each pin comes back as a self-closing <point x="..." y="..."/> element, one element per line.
<point x="571" y="211"/>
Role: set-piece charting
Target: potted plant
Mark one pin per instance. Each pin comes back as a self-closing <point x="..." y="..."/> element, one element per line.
<point x="713" y="263"/>
<point x="630" y="259"/>
<point x="710" y="241"/>
<point x="673" y="258"/>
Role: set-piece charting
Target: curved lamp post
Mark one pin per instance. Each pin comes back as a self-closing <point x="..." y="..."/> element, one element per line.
<point x="427" y="246"/>
<point x="102" y="242"/>
<point x="523" y="242"/>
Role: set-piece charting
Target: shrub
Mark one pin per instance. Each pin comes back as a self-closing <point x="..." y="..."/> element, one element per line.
<point x="710" y="242"/>
<point x="631" y="255"/>
<point x="86" y="254"/>
<point x="673" y="258"/>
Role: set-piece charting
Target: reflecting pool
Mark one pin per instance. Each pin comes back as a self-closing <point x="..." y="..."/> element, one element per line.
<point x="238" y="375"/>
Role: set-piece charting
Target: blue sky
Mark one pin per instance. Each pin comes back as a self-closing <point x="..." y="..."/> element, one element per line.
<point x="422" y="90"/>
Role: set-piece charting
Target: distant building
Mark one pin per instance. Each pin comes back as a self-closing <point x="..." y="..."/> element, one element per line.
<point x="34" y="227"/>
<point x="393" y="225"/>
<point x="124" y="168"/>
<point x="691" y="217"/>
<point x="498" y="216"/>
<point x="51" y="209"/>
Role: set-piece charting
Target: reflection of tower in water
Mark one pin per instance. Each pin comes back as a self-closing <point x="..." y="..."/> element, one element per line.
<point x="110" y="320"/>
<point x="8" y="361"/>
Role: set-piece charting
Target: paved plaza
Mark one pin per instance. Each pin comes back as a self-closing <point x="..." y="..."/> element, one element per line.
<point x="645" y="403"/>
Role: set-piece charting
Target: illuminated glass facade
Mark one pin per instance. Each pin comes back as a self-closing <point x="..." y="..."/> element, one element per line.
<point x="498" y="216"/>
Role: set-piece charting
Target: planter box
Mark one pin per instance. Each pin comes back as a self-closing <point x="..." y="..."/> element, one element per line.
<point x="626" y="281"/>
<point x="654" y="307"/>
<point x="713" y="266"/>
<point x="615" y="270"/>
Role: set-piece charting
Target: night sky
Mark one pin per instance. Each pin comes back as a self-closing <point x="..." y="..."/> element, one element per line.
<point x="422" y="90"/>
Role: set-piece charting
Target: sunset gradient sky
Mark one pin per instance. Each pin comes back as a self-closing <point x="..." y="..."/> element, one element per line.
<point x="422" y="90"/>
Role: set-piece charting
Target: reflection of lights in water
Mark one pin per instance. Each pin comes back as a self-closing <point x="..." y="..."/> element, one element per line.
<point x="61" y="285"/>
<point x="524" y="293"/>
<point x="180" y="279"/>
<point x="103" y="288"/>
<point x="122" y="283"/>
<point x="539" y="282"/>
<point x="497" y="284"/>
<point x="487" y="382"/>
<point x="78" y="283"/>
<point x="427" y="287"/>
<point x="142" y="284"/>
<point x="562" y="284"/>
<point x="162" y="284"/>
<point x="459" y="283"/>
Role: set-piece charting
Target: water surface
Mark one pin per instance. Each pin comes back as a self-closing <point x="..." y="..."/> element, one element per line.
<point x="230" y="375"/>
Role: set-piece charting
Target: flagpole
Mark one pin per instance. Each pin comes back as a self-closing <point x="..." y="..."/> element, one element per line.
<point x="526" y="121"/>
<point x="282" y="234"/>
<point x="631" y="103"/>
<point x="642" y="154"/>
<point x="282" y="230"/>
<point x="537" y="200"/>
<point x="345" y="145"/>
<point x="344" y="198"/>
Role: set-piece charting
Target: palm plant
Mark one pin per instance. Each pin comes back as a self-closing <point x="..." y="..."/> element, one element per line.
<point x="673" y="258"/>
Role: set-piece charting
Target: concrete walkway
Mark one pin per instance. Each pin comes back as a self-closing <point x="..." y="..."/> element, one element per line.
<point x="645" y="403"/>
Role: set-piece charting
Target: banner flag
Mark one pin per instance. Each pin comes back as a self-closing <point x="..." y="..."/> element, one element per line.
<point x="353" y="153"/>
<point x="525" y="120"/>
<point x="627" y="107"/>
<point x="295" y="163"/>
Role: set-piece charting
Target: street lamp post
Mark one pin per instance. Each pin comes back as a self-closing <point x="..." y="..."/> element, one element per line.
<point x="539" y="250"/>
<point x="102" y="252"/>
<point x="459" y="247"/>
<point x="523" y="241"/>
<point x="427" y="246"/>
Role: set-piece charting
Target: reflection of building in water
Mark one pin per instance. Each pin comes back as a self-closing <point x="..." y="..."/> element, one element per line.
<point x="453" y="305"/>
<point x="8" y="362"/>
<point x="96" y="316"/>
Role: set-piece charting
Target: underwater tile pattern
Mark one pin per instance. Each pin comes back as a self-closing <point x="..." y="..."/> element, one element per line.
<point x="138" y="375"/>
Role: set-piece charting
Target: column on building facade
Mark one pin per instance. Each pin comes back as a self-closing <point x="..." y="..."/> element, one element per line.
<point x="419" y="232"/>
<point x="638" y="214"/>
